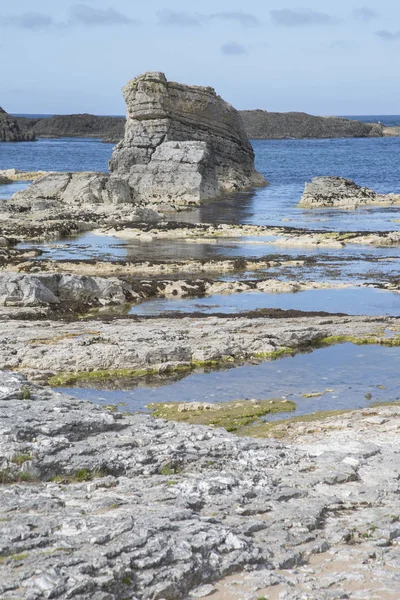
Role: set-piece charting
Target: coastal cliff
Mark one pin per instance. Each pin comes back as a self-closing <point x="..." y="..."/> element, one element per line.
<point x="12" y="131"/>
<point x="263" y="125"/>
<point x="258" y="124"/>
<point x="80" y="125"/>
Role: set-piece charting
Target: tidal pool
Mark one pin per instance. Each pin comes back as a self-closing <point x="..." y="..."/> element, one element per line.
<point x="346" y="375"/>
<point x="353" y="301"/>
<point x="87" y="246"/>
<point x="105" y="247"/>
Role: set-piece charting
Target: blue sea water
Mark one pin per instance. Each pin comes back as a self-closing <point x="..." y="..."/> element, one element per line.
<point x="287" y="165"/>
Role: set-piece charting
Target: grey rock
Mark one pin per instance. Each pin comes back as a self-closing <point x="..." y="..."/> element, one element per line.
<point x="160" y="112"/>
<point x="164" y="343"/>
<point x="337" y="192"/>
<point x="112" y="526"/>
<point x="75" y="188"/>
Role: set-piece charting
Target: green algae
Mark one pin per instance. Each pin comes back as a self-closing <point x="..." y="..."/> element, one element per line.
<point x="79" y="476"/>
<point x="64" y="378"/>
<point x="230" y="415"/>
<point x="373" y="338"/>
<point x="281" y="429"/>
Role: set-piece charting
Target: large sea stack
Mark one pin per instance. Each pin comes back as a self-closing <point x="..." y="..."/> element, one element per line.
<point x="10" y="131"/>
<point x="182" y="143"/>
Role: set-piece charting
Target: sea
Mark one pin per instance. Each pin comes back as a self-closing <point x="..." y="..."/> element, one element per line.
<point x="287" y="165"/>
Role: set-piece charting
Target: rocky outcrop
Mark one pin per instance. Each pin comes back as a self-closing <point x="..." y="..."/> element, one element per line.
<point x="79" y="125"/>
<point x="182" y="144"/>
<point x="10" y="175"/>
<point x="73" y="350"/>
<point x="337" y="192"/>
<point x="76" y="188"/>
<point x="99" y="505"/>
<point x="391" y="131"/>
<point x="11" y="131"/>
<point x="264" y="125"/>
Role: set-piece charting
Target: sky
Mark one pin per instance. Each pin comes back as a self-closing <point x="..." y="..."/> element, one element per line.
<point x="337" y="57"/>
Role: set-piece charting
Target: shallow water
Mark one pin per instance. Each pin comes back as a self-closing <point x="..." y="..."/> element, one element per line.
<point x="287" y="164"/>
<point x="103" y="247"/>
<point x="350" y="371"/>
<point x="82" y="247"/>
<point x="352" y="301"/>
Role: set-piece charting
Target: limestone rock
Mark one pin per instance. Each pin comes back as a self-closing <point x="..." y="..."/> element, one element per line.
<point x="19" y="290"/>
<point x="77" y="188"/>
<point x="211" y="154"/>
<point x="99" y="505"/>
<point x="337" y="192"/>
<point x="43" y="289"/>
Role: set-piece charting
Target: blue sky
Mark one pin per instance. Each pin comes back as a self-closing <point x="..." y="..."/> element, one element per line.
<point x="342" y="57"/>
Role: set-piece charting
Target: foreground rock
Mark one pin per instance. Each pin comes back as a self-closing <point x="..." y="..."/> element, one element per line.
<point x="10" y="175"/>
<point x="337" y="192"/>
<point x="137" y="347"/>
<point x="10" y="131"/>
<point x="182" y="144"/>
<point x="264" y="125"/>
<point x="99" y="506"/>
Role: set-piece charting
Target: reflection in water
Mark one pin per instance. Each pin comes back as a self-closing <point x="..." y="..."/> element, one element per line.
<point x="353" y="301"/>
<point x="349" y="373"/>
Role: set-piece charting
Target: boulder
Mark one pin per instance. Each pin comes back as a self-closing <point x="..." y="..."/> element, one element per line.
<point x="77" y="188"/>
<point x="337" y="192"/>
<point x="182" y="144"/>
<point x="22" y="290"/>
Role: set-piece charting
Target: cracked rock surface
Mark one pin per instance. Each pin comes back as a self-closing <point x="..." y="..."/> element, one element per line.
<point x="105" y="506"/>
<point x="44" y="348"/>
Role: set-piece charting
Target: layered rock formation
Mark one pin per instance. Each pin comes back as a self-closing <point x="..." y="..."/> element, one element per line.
<point x="76" y="188"/>
<point x="337" y="192"/>
<point x="264" y="125"/>
<point x="10" y="130"/>
<point x="181" y="143"/>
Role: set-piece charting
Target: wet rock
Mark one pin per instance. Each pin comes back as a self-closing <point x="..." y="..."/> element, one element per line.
<point x="139" y="345"/>
<point x="337" y="192"/>
<point x="182" y="144"/>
